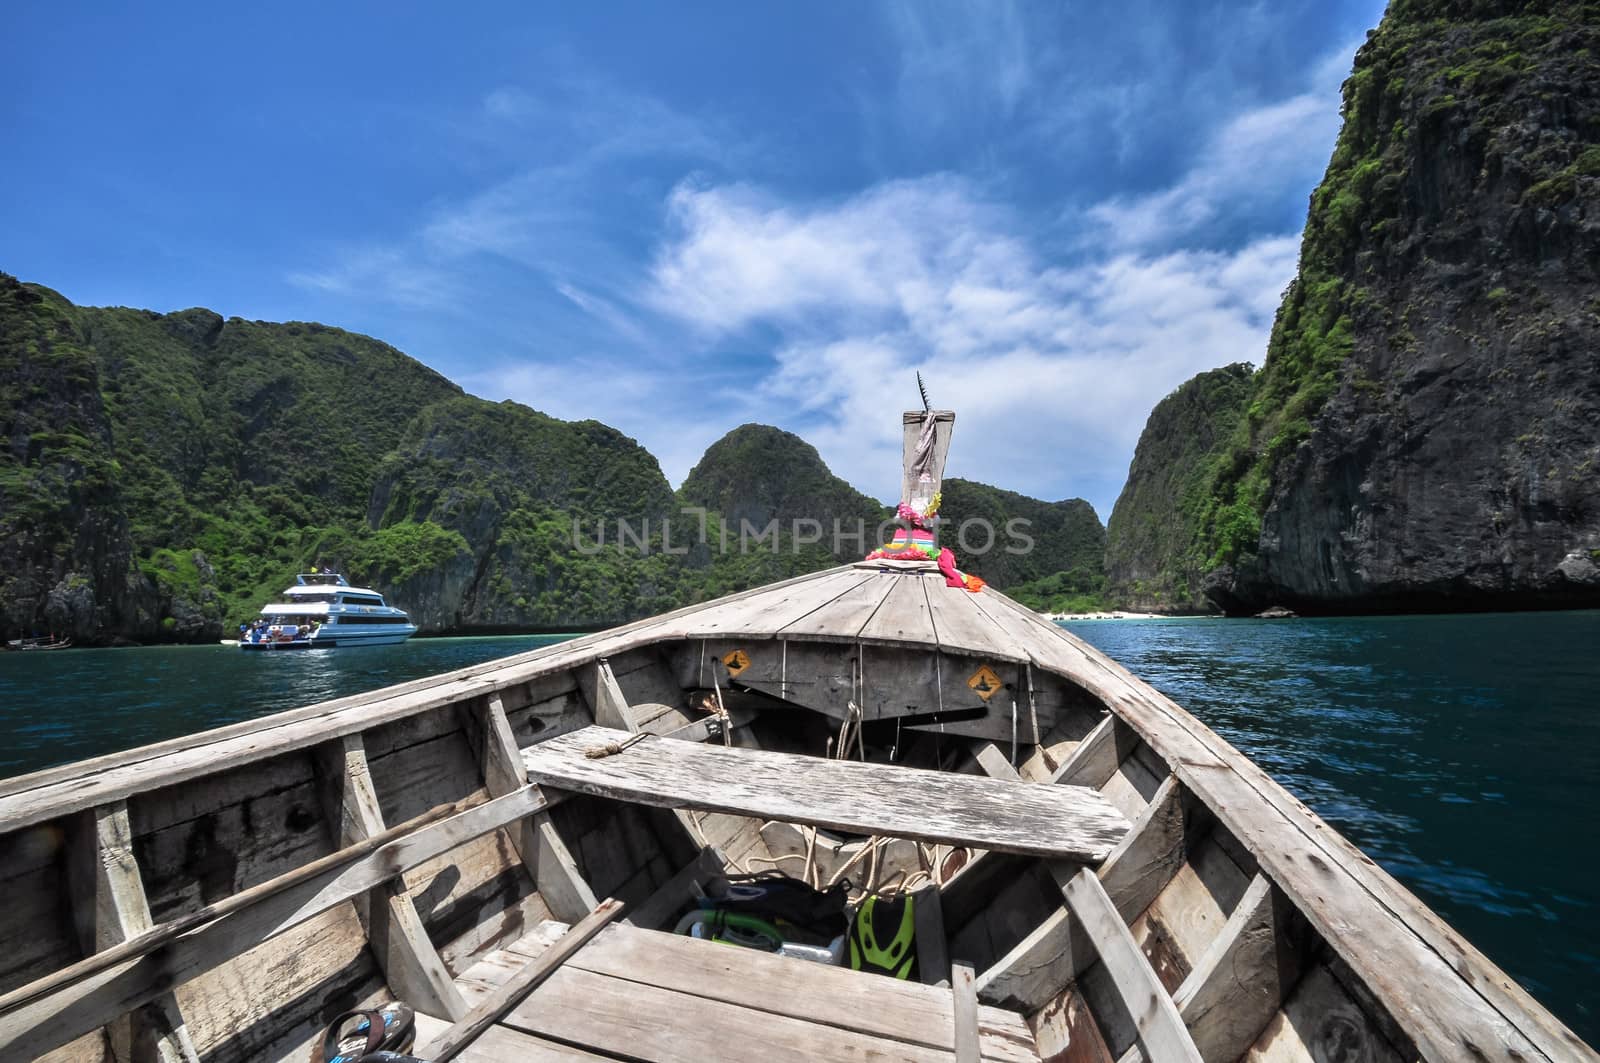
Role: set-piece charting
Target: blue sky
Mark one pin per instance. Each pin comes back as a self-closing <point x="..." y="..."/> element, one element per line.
<point x="678" y="218"/>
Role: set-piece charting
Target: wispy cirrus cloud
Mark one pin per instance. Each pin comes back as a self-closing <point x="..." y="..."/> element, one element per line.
<point x="572" y="161"/>
<point x="1263" y="152"/>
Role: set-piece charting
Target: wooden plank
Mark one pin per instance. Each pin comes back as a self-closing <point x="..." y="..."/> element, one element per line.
<point x="502" y="1000"/>
<point x="502" y="1044"/>
<point x="600" y="690"/>
<point x="1056" y="952"/>
<point x="209" y="757"/>
<point x="994" y="763"/>
<point x="768" y="613"/>
<point x="845" y="616"/>
<point x="1160" y="1028"/>
<point x="674" y="893"/>
<point x="1244" y="977"/>
<point x="964" y="1005"/>
<point x="904" y="615"/>
<point x="490" y="971"/>
<point x="59" y="1014"/>
<point x="1095" y="759"/>
<point x="561" y="885"/>
<point x="1194" y="907"/>
<point x="944" y="422"/>
<point x="400" y="943"/>
<point x="961" y="627"/>
<point x="611" y="709"/>
<point x="836" y="997"/>
<point x="933" y="942"/>
<point x="109" y="892"/>
<point x="1062" y="821"/>
<point x="1322" y="1022"/>
<point x="1391" y="940"/>
<point x="1021" y="632"/>
<point x="1066" y="1032"/>
<point x="631" y="1020"/>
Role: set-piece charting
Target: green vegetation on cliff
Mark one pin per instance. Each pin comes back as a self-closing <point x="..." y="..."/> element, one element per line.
<point x="1152" y="562"/>
<point x="1054" y="561"/>
<point x="163" y="475"/>
<point x="1445" y="245"/>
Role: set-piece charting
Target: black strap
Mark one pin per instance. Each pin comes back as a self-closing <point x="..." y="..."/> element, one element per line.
<point x="375" y="1031"/>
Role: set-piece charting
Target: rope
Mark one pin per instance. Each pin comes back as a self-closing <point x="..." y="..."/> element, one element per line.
<point x="850" y="731"/>
<point x="611" y="749"/>
<point x="722" y="711"/>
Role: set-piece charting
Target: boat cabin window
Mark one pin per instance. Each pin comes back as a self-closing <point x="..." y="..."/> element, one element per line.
<point x="390" y="619"/>
<point x="362" y="599"/>
<point x="301" y="599"/>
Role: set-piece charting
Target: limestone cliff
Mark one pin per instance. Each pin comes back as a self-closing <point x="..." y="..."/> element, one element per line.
<point x="1151" y="564"/>
<point x="1425" y="431"/>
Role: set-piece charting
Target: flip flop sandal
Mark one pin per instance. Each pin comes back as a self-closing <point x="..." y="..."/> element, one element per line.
<point x="354" y="1034"/>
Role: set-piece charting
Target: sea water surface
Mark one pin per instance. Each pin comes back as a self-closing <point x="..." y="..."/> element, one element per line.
<point x="1461" y="752"/>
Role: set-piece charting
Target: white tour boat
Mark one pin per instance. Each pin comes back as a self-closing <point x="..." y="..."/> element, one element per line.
<point x="323" y="611"/>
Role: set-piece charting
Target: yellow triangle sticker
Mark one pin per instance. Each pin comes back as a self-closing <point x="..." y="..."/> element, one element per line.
<point x="737" y="661"/>
<point x="985" y="683"/>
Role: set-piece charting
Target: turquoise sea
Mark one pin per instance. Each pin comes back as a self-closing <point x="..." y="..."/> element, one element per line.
<point x="1461" y="752"/>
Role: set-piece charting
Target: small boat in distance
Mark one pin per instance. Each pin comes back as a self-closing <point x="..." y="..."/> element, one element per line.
<point x="322" y="611"/>
<point x="39" y="642"/>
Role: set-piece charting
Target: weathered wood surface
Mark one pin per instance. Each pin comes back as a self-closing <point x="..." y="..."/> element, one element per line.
<point x="704" y="996"/>
<point x="904" y="615"/>
<point x="502" y="1044"/>
<point x="57" y="1015"/>
<point x="944" y="423"/>
<point x="1062" y="821"/>
<point x="1243" y="978"/>
<point x="399" y="941"/>
<point x="490" y="1010"/>
<point x="676" y="893"/>
<point x="1056" y="952"/>
<point x="555" y="874"/>
<point x="1160" y="1027"/>
<point x="964" y="1007"/>
<point x="844" y="616"/>
<point x="1448" y="997"/>
<point x="147" y="941"/>
<point x="994" y="763"/>
<point x="1389" y="938"/>
<point x="110" y="900"/>
<point x="767" y="614"/>
<point x="959" y="626"/>
<point x="1321" y="1022"/>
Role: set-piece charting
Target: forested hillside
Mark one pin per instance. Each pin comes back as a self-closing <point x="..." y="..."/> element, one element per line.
<point x="162" y="475"/>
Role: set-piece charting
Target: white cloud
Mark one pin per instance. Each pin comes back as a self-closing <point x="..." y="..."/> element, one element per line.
<point x="1053" y="370"/>
<point x="1261" y="152"/>
<point x="386" y="272"/>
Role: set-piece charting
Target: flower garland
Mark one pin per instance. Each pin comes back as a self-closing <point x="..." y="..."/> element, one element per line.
<point x="917" y="543"/>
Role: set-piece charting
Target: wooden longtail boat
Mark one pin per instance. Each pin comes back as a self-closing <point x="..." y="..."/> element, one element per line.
<point x="1095" y="874"/>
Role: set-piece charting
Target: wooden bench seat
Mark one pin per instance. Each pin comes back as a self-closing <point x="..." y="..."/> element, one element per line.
<point x="644" y="994"/>
<point x="1064" y="822"/>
